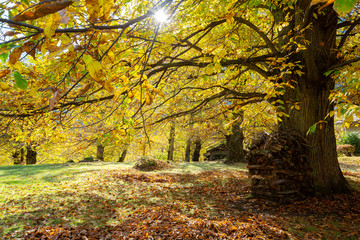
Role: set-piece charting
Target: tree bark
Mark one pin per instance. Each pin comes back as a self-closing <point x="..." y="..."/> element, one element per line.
<point x="234" y="142"/>
<point x="30" y="155"/>
<point x="312" y="91"/>
<point x="196" y="154"/>
<point x="123" y="155"/>
<point x="188" y="150"/>
<point x="171" y="149"/>
<point x="19" y="156"/>
<point x="100" y="152"/>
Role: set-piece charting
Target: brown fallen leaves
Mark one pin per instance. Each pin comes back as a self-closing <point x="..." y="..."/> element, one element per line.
<point x="209" y="205"/>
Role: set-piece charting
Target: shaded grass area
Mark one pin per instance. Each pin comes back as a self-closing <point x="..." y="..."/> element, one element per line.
<point x="191" y="200"/>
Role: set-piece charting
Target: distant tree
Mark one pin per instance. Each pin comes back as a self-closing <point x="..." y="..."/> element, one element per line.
<point x="197" y="149"/>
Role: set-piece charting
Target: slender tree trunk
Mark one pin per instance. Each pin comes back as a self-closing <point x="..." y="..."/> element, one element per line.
<point x="188" y="150"/>
<point x="100" y="152"/>
<point x="234" y="142"/>
<point x="171" y="149"/>
<point x="123" y="155"/>
<point x="196" y="154"/>
<point x="30" y="155"/>
<point x="19" y="156"/>
<point x="312" y="92"/>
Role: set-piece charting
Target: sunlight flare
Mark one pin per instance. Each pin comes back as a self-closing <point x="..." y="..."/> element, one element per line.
<point x="161" y="16"/>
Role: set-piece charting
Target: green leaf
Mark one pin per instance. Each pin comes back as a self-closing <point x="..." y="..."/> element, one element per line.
<point x="26" y="2"/>
<point x="4" y="57"/>
<point x="312" y="129"/>
<point x="20" y="81"/>
<point x="344" y="6"/>
<point x="343" y="110"/>
<point x="328" y="73"/>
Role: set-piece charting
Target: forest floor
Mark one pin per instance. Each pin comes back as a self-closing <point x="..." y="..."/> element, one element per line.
<point x="206" y="200"/>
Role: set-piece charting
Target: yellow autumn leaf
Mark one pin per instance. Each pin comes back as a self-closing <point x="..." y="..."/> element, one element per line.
<point x="230" y="17"/>
<point x="111" y="56"/>
<point x="117" y="94"/>
<point x="93" y="8"/>
<point x="314" y="2"/>
<point x="209" y="70"/>
<point x="15" y="55"/>
<point x="33" y="92"/>
<point x="51" y="25"/>
<point x="357" y="114"/>
<point x="130" y="95"/>
<point x="157" y="91"/>
<point x="65" y="39"/>
<point x="94" y="67"/>
<point x="148" y="98"/>
<point x="169" y="39"/>
<point x="147" y="86"/>
<point x="105" y="7"/>
<point x="349" y="119"/>
<point x="4" y="86"/>
<point x="125" y="80"/>
<point x="42" y="9"/>
<point x="4" y="73"/>
<point x="137" y="94"/>
<point x="108" y="87"/>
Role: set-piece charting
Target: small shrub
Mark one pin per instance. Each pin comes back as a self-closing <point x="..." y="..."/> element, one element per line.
<point x="346" y="149"/>
<point x="88" y="159"/>
<point x="148" y="164"/>
<point x="351" y="138"/>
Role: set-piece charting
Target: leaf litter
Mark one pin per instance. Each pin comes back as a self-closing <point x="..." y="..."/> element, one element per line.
<point x="215" y="204"/>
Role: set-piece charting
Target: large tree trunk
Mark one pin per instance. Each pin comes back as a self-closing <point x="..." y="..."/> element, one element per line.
<point x="312" y="92"/>
<point x="234" y="142"/>
<point x="123" y="155"/>
<point x="30" y="155"/>
<point x="171" y="149"/>
<point x="315" y="105"/>
<point x="188" y="150"/>
<point x="100" y="152"/>
<point x="196" y="154"/>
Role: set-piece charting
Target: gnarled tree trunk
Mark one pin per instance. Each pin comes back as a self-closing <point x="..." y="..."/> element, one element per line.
<point x="19" y="156"/>
<point x="30" y="155"/>
<point x="234" y="142"/>
<point x="312" y="91"/>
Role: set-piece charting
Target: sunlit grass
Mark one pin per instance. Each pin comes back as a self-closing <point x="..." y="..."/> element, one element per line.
<point x="102" y="194"/>
<point x="88" y="193"/>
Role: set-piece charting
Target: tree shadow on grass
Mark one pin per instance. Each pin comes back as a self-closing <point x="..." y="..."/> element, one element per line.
<point x="64" y="208"/>
<point x="157" y="203"/>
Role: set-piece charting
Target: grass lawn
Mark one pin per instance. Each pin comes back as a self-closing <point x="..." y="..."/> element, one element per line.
<point x="206" y="200"/>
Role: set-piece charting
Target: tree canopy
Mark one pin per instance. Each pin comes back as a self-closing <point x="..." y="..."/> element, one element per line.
<point x="112" y="63"/>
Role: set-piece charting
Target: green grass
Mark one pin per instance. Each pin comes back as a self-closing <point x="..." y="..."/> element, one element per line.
<point x="99" y="194"/>
<point x="80" y="194"/>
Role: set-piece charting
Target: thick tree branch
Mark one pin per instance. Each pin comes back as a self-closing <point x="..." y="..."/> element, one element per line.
<point x="259" y="32"/>
<point x="249" y="62"/>
<point x="250" y="97"/>
<point x="347" y="33"/>
<point x="344" y="63"/>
